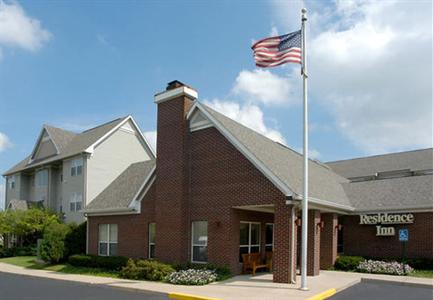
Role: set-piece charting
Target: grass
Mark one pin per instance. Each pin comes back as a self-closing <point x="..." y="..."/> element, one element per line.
<point x="422" y="273"/>
<point x="30" y="262"/>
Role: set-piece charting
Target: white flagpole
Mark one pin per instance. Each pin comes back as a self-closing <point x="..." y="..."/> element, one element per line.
<point x="305" y="198"/>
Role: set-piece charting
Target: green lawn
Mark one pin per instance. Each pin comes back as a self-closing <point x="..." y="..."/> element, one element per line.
<point x="422" y="273"/>
<point x="31" y="263"/>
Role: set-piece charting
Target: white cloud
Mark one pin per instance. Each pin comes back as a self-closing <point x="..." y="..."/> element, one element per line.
<point x="370" y="65"/>
<point x="263" y="86"/>
<point x="248" y="115"/>
<point x="151" y="138"/>
<point x="5" y="142"/>
<point x="19" y="30"/>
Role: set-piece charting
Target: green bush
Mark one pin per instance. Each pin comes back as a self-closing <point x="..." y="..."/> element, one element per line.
<point x="52" y="246"/>
<point x="419" y="263"/>
<point x="348" y="263"/>
<point x="222" y="272"/>
<point x="146" y="270"/>
<point x="113" y="263"/>
<point x="75" y="240"/>
<point x="18" y="251"/>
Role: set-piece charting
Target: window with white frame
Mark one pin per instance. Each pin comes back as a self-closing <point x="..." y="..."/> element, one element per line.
<point x="42" y="177"/>
<point x="199" y="241"/>
<point x="76" y="202"/>
<point x="77" y="167"/>
<point x="11" y="181"/>
<point x="152" y="232"/>
<point x="107" y="245"/>
<point x="249" y="238"/>
<point x="269" y="243"/>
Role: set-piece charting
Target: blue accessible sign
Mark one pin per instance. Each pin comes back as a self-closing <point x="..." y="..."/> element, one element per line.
<point x="403" y="235"/>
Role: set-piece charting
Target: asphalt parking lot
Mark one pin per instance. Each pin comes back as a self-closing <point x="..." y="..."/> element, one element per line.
<point x="384" y="291"/>
<point x="18" y="287"/>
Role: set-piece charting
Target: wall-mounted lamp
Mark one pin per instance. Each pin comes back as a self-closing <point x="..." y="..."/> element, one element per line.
<point x="339" y="227"/>
<point x="321" y="224"/>
<point x="298" y="222"/>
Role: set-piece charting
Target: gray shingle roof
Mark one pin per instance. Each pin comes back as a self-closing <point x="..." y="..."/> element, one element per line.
<point x="364" y="166"/>
<point x="391" y="194"/>
<point x="68" y="144"/>
<point x="286" y="163"/>
<point x="120" y="193"/>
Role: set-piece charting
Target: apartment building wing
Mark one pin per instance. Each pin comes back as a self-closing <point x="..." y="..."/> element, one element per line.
<point x="66" y="170"/>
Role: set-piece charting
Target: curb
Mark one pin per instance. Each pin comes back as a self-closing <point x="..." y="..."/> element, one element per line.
<point x="181" y="296"/>
<point x="323" y="295"/>
<point x="415" y="284"/>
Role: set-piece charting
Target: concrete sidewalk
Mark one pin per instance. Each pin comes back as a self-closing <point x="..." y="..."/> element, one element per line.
<point x="243" y="287"/>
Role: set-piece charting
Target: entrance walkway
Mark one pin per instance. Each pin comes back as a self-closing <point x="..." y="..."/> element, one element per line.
<point x="243" y="287"/>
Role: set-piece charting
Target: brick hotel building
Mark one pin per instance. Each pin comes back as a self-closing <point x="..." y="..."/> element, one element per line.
<point x="217" y="189"/>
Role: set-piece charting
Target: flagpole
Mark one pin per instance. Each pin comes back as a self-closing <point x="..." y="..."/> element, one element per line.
<point x="305" y="198"/>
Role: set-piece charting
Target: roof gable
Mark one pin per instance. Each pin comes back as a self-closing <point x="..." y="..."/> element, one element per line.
<point x="280" y="164"/>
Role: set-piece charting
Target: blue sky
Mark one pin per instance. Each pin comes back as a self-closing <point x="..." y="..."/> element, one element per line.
<point x="78" y="64"/>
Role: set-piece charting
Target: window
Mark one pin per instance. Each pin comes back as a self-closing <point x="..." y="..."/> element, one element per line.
<point x="199" y="241"/>
<point x="42" y="177"/>
<point x="249" y="238"/>
<point x="12" y="182"/>
<point x="107" y="240"/>
<point x="152" y="232"/>
<point x="269" y="243"/>
<point x="77" y="167"/>
<point x="76" y="202"/>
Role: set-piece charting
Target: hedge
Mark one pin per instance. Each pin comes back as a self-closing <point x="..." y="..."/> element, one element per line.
<point x="112" y="263"/>
<point x="18" y="251"/>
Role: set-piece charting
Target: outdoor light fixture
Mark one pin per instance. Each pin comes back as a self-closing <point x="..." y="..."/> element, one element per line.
<point x="298" y="222"/>
<point x="321" y="224"/>
<point x="339" y="227"/>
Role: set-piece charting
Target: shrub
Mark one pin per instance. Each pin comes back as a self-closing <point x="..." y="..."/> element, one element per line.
<point x="113" y="263"/>
<point x="383" y="267"/>
<point x="18" y="251"/>
<point x="192" y="277"/>
<point x="348" y="263"/>
<point x="420" y="263"/>
<point x="52" y="246"/>
<point x="222" y="272"/>
<point x="75" y="240"/>
<point x="146" y="269"/>
<point x="102" y="262"/>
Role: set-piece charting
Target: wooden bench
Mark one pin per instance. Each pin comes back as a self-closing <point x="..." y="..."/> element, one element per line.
<point x="253" y="261"/>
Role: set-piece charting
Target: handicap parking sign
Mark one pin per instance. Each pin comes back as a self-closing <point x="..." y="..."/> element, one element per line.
<point x="403" y="235"/>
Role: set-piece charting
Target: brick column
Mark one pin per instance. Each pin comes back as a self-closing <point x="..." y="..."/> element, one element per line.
<point x="328" y="241"/>
<point x="313" y="263"/>
<point x="283" y="257"/>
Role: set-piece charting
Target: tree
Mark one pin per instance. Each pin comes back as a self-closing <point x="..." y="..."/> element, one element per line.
<point x="52" y="247"/>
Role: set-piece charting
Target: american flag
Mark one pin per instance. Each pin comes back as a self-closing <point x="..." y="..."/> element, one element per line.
<point x="278" y="50"/>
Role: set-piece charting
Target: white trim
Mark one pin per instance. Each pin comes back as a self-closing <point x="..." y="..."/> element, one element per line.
<point x="171" y="94"/>
<point x="204" y="126"/>
<point x="149" y="149"/>
<point x="109" y="211"/>
<point x="244" y="150"/>
<point x="149" y="180"/>
<point x="192" y="241"/>
<point x="414" y="209"/>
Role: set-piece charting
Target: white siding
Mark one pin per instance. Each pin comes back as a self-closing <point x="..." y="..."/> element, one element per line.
<point x="112" y="157"/>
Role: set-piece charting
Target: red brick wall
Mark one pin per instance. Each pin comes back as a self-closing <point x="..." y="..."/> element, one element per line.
<point x="222" y="178"/>
<point x="132" y="229"/>
<point x="172" y="181"/>
<point x="362" y="240"/>
<point x="313" y="253"/>
<point x="328" y="240"/>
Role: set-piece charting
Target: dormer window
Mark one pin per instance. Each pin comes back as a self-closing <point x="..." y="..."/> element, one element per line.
<point x="77" y="167"/>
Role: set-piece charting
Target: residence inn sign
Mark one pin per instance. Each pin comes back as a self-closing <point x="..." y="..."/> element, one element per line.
<point x="381" y="219"/>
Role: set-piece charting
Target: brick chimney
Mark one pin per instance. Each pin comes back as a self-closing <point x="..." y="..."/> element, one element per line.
<point x="171" y="215"/>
